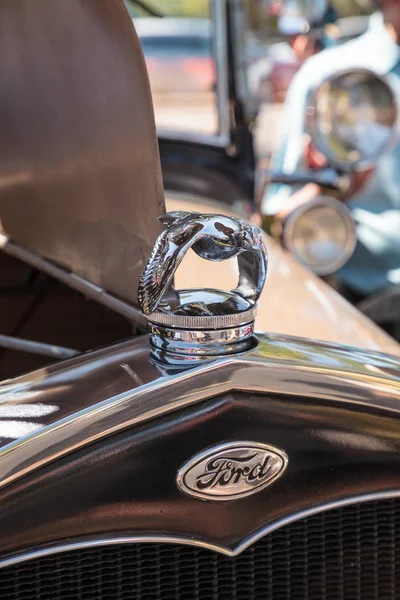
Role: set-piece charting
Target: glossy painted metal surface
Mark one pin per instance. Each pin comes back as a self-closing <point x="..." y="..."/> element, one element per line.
<point x="77" y="139"/>
<point x="294" y="301"/>
<point x="124" y="487"/>
<point x="24" y="554"/>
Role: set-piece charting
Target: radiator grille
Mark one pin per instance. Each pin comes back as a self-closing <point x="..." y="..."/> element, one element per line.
<point x="348" y="553"/>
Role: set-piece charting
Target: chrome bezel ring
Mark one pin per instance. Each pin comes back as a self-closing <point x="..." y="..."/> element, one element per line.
<point x="197" y="323"/>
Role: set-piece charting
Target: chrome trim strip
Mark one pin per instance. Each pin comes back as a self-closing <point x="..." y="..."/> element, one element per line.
<point x="76" y="282"/>
<point x="220" y="42"/>
<point x="240" y="24"/>
<point x="219" y="141"/>
<point x="261" y="370"/>
<point x="231" y="552"/>
<point x="22" y="345"/>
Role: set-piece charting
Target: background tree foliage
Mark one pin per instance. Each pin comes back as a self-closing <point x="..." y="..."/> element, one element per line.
<point x="261" y="19"/>
<point x="348" y="8"/>
<point x="178" y="8"/>
<point x="256" y="8"/>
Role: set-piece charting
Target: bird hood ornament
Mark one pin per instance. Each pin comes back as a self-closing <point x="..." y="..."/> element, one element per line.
<point x="200" y="324"/>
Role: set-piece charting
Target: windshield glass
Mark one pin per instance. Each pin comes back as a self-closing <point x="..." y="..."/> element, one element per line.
<point x="176" y="37"/>
<point x="175" y="47"/>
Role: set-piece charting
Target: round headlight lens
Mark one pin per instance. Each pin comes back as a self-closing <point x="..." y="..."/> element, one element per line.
<point x="320" y="234"/>
<point x="353" y="118"/>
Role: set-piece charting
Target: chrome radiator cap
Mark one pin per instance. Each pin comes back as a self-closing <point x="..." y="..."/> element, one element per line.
<point x="200" y="324"/>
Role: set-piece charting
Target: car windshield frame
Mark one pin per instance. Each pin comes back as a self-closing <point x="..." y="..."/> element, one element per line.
<point x="219" y="53"/>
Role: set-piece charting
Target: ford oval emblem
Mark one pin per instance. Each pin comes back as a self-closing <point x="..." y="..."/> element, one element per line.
<point x="231" y="471"/>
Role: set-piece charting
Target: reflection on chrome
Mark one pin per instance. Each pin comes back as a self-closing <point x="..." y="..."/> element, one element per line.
<point x="27" y="410"/>
<point x="17" y="429"/>
<point x="15" y="396"/>
<point x="12" y="429"/>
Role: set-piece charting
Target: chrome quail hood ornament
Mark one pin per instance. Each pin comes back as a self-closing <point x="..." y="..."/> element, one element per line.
<point x="200" y="324"/>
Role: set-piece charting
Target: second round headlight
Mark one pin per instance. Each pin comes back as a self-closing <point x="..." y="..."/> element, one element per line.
<point x="320" y="234"/>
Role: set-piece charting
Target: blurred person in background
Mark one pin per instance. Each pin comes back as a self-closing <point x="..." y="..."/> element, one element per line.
<point x="301" y="21"/>
<point x="303" y="26"/>
<point x="374" y="197"/>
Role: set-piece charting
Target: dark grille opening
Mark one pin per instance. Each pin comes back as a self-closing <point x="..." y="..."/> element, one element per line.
<point x="348" y="553"/>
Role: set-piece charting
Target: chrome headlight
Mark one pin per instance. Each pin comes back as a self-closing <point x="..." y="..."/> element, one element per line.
<point x="352" y="118"/>
<point x="320" y="234"/>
